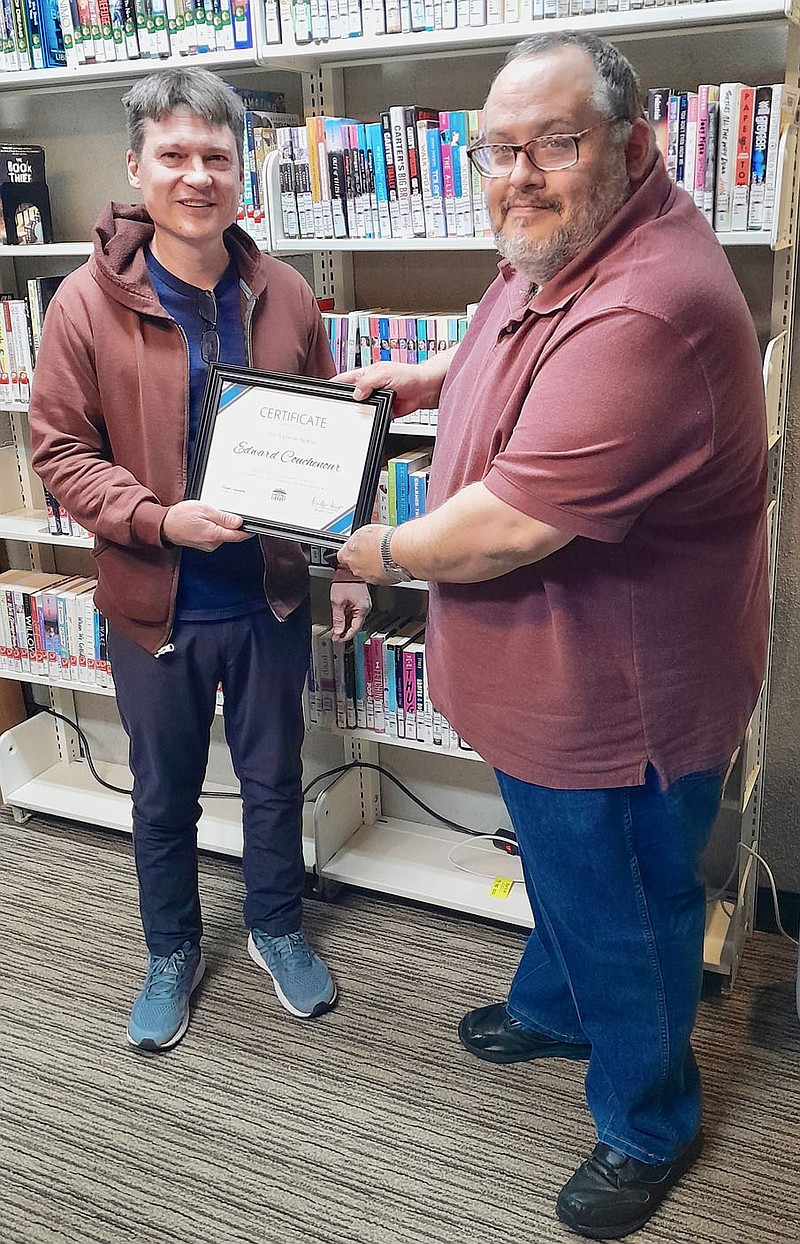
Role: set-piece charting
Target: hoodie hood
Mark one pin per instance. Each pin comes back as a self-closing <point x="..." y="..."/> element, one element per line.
<point x="118" y="263"/>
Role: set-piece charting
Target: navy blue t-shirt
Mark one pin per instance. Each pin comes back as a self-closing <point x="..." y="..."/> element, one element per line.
<point x="229" y="581"/>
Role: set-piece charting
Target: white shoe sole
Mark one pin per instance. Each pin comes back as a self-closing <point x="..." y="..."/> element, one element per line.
<point x="321" y="1007"/>
<point x="150" y="1047"/>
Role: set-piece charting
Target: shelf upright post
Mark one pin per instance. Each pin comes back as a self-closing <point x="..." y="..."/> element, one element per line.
<point x="782" y="320"/>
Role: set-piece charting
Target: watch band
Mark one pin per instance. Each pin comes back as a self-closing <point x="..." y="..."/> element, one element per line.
<point x="390" y="566"/>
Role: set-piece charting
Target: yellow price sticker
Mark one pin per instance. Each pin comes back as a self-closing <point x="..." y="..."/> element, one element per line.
<point x="501" y="887"/>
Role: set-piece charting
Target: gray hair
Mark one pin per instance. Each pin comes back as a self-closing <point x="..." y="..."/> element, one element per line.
<point x="202" y="92"/>
<point x="618" y="91"/>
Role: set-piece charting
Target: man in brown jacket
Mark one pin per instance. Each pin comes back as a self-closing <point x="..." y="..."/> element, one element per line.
<point x="192" y="601"/>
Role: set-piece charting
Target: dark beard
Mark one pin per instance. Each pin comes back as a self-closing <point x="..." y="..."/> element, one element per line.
<point x="541" y="261"/>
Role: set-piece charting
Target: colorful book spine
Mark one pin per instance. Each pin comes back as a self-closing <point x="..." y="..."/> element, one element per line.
<point x="726" y="154"/>
<point x="744" y="153"/>
<point x="762" y="110"/>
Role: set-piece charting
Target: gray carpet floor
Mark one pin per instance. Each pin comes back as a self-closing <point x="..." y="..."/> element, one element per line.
<point x="369" y="1126"/>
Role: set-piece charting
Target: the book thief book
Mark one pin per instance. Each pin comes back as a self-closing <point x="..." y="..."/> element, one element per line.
<point x="25" y="199"/>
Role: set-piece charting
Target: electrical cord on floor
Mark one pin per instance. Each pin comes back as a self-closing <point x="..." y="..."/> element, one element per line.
<point x="337" y="773"/>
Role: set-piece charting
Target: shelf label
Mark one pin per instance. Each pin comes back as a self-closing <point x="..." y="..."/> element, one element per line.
<point x="501" y="887"/>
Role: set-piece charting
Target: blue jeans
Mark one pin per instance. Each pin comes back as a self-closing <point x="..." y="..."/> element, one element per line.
<point x="616" y="957"/>
<point x="167" y="706"/>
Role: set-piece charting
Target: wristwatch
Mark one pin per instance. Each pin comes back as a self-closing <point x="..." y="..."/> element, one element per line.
<point x="390" y="566"/>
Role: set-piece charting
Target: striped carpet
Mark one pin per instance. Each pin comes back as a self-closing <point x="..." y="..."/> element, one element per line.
<point x="370" y="1126"/>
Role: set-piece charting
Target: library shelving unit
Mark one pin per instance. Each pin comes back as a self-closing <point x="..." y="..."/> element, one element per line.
<point x="361" y="830"/>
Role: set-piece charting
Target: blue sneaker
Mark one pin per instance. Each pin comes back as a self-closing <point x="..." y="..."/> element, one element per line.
<point x="302" y="982"/>
<point x="160" y="1014"/>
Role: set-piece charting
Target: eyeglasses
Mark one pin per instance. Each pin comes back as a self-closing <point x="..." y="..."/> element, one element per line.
<point x="209" y="342"/>
<point x="550" y="153"/>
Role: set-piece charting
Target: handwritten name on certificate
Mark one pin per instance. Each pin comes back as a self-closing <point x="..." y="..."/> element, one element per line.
<point x="288" y="458"/>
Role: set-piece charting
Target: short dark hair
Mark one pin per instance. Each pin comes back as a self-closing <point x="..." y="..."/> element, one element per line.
<point x="619" y="92"/>
<point x="202" y="92"/>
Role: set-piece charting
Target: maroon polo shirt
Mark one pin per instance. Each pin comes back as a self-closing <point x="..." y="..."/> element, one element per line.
<point x="624" y="405"/>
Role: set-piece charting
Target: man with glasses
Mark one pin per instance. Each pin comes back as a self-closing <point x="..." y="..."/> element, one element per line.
<point x="598" y="604"/>
<point x="192" y="600"/>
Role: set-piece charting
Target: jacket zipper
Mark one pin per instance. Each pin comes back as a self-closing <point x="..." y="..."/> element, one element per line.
<point x="167" y="645"/>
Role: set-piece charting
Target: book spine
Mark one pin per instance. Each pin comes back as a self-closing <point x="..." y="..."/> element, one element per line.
<point x="63" y="638"/>
<point x="340" y="689"/>
<point x="401" y="170"/>
<point x="711" y="154"/>
<point x="422" y="713"/>
<point x="391" y="175"/>
<point x="779" y="93"/>
<point x="82" y="603"/>
<point x="53" y="521"/>
<point x="762" y="109"/>
<point x="49" y="609"/>
<point x="20" y="26"/>
<point x="726" y="155"/>
<point x="673" y="135"/>
<point x="658" y="115"/>
<point x="35" y="36"/>
<point x="410" y="690"/>
<point x="290" y="222"/>
<point x="448" y="185"/>
<point x="415" y="170"/>
<point x="744" y="152"/>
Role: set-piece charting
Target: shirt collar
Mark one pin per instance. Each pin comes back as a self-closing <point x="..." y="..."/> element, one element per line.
<point x="652" y="198"/>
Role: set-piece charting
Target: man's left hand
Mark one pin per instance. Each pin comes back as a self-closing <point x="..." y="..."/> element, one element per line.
<point x="362" y="554"/>
<point x="350" y="604"/>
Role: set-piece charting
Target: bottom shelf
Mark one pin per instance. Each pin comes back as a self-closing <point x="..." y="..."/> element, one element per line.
<point x="389" y="856"/>
<point x="34" y="778"/>
<point x="412" y="861"/>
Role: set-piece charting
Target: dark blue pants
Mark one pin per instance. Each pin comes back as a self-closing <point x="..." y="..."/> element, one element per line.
<point x="616" y="957"/>
<point x="167" y="706"/>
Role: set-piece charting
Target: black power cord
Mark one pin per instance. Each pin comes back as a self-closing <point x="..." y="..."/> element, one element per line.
<point x="340" y="771"/>
<point x="336" y="773"/>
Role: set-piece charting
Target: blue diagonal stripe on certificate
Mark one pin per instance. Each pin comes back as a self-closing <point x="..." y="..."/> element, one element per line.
<point x="342" y="523"/>
<point x="230" y="393"/>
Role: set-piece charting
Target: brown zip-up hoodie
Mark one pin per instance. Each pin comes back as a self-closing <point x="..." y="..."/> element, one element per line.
<point x="109" y="412"/>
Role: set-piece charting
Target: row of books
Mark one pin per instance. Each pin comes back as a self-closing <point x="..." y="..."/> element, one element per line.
<point x="49" y="626"/>
<point x="16" y="353"/>
<point x="404" y="176"/>
<point x="403" y="487"/>
<point x="260" y="138"/>
<point x="358" y="338"/>
<point x="21" y="322"/>
<point x="59" y="34"/>
<point x="60" y="522"/>
<point x="721" y="143"/>
<point x="377" y="681"/>
<point x="298" y="22"/>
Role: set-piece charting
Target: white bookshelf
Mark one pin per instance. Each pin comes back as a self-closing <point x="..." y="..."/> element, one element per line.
<point x="667" y="21"/>
<point x="30" y="527"/>
<point x="406" y="858"/>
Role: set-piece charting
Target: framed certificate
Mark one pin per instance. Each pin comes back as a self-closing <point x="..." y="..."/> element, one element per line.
<point x="295" y="457"/>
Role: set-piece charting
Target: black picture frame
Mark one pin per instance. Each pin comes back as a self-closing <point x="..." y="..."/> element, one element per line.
<point x="306" y="398"/>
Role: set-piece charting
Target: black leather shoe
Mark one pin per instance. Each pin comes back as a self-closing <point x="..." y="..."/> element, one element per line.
<point x="611" y="1194"/>
<point x="489" y="1032"/>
